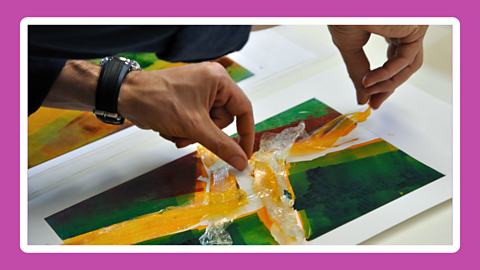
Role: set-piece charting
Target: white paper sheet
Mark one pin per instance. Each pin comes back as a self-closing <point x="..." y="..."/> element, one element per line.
<point x="268" y="53"/>
<point x="411" y="120"/>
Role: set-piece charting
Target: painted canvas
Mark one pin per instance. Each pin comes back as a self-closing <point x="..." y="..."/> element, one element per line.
<point x="54" y="132"/>
<point x="329" y="191"/>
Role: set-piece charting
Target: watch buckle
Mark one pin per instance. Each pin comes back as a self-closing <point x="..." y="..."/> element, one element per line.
<point x="107" y="114"/>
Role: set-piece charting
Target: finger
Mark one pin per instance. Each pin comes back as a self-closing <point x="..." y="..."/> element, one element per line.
<point x="166" y="137"/>
<point x="392" y="50"/>
<point x="246" y="132"/>
<point x="405" y="33"/>
<point x="394" y="41"/>
<point x="399" y="78"/>
<point x="210" y="136"/>
<point x="237" y="104"/>
<point x="221" y="117"/>
<point x="405" y="55"/>
<point x="377" y="100"/>
<point x="418" y="33"/>
<point x="357" y="66"/>
<point x="182" y="142"/>
<point x="400" y="36"/>
<point x="381" y="91"/>
<point x="391" y="84"/>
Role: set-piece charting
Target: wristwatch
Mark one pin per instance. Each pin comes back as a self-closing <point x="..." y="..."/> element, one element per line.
<point x="114" y="70"/>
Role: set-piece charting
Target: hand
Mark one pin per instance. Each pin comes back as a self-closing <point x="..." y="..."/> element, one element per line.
<point x="405" y="57"/>
<point x="191" y="104"/>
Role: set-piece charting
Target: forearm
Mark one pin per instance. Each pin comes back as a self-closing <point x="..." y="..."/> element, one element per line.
<point x="75" y="87"/>
<point x="185" y="104"/>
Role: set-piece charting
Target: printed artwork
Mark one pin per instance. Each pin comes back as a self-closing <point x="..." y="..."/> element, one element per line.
<point x="54" y="132"/>
<point x="328" y="192"/>
<point x="342" y="186"/>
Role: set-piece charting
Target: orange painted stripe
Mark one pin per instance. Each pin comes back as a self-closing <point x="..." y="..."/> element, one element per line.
<point x="365" y="143"/>
<point x="163" y="223"/>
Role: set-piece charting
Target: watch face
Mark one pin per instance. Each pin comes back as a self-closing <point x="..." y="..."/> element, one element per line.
<point x="134" y="65"/>
<point x="105" y="60"/>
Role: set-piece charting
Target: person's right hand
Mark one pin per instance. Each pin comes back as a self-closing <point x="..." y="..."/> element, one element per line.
<point x="405" y="57"/>
<point x="191" y="104"/>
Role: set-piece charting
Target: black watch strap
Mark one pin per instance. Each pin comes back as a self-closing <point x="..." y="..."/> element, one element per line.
<point x="108" y="88"/>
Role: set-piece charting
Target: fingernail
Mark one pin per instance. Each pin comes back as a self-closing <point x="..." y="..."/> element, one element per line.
<point x="363" y="102"/>
<point x="238" y="162"/>
<point x="368" y="85"/>
<point x="364" y="82"/>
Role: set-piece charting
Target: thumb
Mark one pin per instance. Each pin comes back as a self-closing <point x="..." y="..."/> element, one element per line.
<point x="358" y="66"/>
<point x="221" y="145"/>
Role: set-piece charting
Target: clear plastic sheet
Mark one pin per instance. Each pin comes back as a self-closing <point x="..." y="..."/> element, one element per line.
<point x="221" y="180"/>
<point x="271" y="180"/>
<point x="208" y="158"/>
<point x="216" y="232"/>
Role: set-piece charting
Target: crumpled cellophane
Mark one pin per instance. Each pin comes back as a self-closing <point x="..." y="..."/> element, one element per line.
<point x="220" y="205"/>
<point x="221" y="180"/>
<point x="271" y="180"/>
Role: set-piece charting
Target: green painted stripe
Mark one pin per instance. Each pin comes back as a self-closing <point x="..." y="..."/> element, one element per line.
<point x="332" y="194"/>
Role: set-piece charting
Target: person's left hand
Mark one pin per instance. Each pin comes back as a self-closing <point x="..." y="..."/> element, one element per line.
<point x="405" y="57"/>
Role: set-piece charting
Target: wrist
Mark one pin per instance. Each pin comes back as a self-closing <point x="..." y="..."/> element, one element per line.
<point x="75" y="87"/>
<point x="139" y="98"/>
<point x="127" y="98"/>
<point x="112" y="76"/>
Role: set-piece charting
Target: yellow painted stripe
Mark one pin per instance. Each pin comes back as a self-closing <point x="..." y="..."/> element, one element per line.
<point x="165" y="222"/>
<point x="45" y="116"/>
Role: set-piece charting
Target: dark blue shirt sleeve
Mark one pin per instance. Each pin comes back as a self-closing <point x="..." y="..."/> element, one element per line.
<point x="42" y="73"/>
<point x="49" y="47"/>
